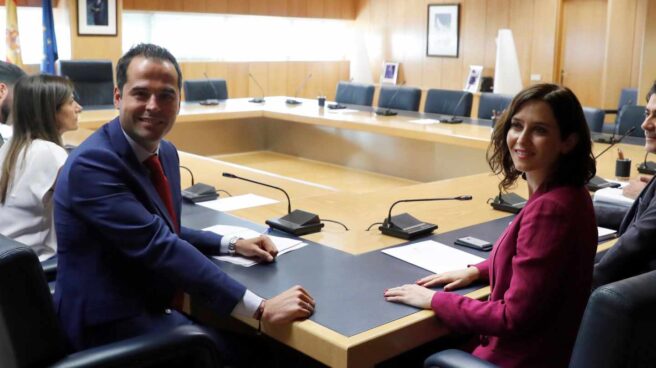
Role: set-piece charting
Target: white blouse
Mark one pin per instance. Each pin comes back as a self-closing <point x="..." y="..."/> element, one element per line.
<point x="26" y="216"/>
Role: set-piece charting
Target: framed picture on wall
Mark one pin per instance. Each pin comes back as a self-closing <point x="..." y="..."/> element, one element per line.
<point x="96" y="17"/>
<point x="390" y="73"/>
<point x="443" y="30"/>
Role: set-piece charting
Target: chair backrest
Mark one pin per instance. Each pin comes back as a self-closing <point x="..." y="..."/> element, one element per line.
<point x="631" y="116"/>
<point x="399" y="98"/>
<point x="628" y="96"/>
<point x="595" y="118"/>
<point x="618" y="325"/>
<point x="205" y="89"/>
<point x="30" y="335"/>
<point x="93" y="81"/>
<point x="492" y="101"/>
<point x="354" y="93"/>
<point x="443" y="101"/>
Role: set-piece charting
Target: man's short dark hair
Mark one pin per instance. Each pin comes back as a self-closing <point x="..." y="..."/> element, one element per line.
<point x="148" y="51"/>
<point x="652" y="90"/>
<point x="9" y="73"/>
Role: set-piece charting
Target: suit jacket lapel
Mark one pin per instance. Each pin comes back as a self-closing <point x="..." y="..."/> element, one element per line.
<point x="139" y="172"/>
<point x="639" y="205"/>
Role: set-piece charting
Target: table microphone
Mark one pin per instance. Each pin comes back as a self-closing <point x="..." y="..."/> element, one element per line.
<point x="405" y="226"/>
<point x="257" y="99"/>
<point x="294" y="101"/>
<point x="647" y="167"/>
<point x="598" y="182"/>
<point x="388" y="111"/>
<point x="453" y="119"/>
<point x="210" y="101"/>
<point x="296" y="222"/>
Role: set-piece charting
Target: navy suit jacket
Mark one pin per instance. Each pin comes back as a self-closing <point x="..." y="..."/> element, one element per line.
<point x="119" y="256"/>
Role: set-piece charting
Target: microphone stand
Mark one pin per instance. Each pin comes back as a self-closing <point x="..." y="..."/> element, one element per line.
<point x="296" y="222"/>
<point x="405" y="226"/>
<point x="388" y="111"/>
<point x="647" y="167"/>
<point x="598" y="182"/>
<point x="294" y="101"/>
<point x="210" y="101"/>
<point x="257" y="99"/>
<point x="453" y="119"/>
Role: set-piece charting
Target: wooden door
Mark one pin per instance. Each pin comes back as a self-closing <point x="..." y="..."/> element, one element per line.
<point x="582" y="48"/>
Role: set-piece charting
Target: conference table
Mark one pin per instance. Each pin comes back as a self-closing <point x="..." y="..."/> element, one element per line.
<point x="353" y="325"/>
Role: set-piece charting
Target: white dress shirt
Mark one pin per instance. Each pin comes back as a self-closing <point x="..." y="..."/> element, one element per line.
<point x="26" y="216"/>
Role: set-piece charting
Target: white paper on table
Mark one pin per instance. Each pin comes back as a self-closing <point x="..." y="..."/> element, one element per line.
<point x="605" y="234"/>
<point x="424" y="121"/>
<point x="612" y="196"/>
<point x="237" y="202"/>
<point x="433" y="256"/>
<point x="284" y="245"/>
<point x="342" y="111"/>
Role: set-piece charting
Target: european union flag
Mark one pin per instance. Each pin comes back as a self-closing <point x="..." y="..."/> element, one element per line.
<point x="50" y="54"/>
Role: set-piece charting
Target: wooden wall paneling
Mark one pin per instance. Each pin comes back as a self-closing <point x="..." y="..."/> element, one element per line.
<point x="348" y="9"/>
<point x="472" y="35"/>
<point x="314" y="85"/>
<point x="276" y="8"/>
<point x="496" y="18"/>
<point x="412" y="34"/>
<point x="638" y="38"/>
<point x="521" y="24"/>
<point x="546" y="14"/>
<point x="648" y="57"/>
<point x="619" y="50"/>
<point x="277" y="78"/>
<point x="297" y="8"/>
<point x="329" y="76"/>
<point x="332" y="9"/>
<point x="315" y="8"/>
<point x="238" y="6"/>
<point x="217" y="70"/>
<point x="257" y="7"/>
<point x="239" y="82"/>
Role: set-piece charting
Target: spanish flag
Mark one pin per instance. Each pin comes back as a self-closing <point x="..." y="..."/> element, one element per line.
<point x="13" y="44"/>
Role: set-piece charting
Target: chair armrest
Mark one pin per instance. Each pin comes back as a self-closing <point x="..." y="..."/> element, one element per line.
<point x="189" y="345"/>
<point x="453" y="358"/>
<point x="50" y="268"/>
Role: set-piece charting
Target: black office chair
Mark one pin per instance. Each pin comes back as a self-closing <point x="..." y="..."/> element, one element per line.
<point x="31" y="336"/>
<point x="205" y="89"/>
<point x="617" y="330"/>
<point x="399" y="98"/>
<point x="631" y="116"/>
<point x="628" y="97"/>
<point x="93" y="81"/>
<point x="443" y="101"/>
<point x="354" y="93"/>
<point x="490" y="102"/>
<point x="595" y="118"/>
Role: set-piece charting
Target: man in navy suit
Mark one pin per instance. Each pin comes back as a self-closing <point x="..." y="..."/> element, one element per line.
<point x="123" y="255"/>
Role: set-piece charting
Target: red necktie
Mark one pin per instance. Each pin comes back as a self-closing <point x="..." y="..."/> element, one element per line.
<point x="162" y="186"/>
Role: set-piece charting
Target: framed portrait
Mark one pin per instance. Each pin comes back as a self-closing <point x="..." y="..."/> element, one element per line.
<point x="443" y="30"/>
<point x="390" y="73"/>
<point x="96" y="17"/>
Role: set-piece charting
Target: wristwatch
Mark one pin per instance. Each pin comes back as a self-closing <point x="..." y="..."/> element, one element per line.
<point x="232" y="245"/>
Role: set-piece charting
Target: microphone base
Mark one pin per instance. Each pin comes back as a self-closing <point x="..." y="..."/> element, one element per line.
<point x="648" y="168"/>
<point x="336" y="106"/>
<point x="407" y="227"/>
<point x="256" y="100"/>
<point x="386" y="112"/>
<point x="291" y="101"/>
<point x="606" y="140"/>
<point x="597" y="183"/>
<point x="297" y="222"/>
<point x="451" y="121"/>
<point x="199" y="193"/>
<point x="209" y="102"/>
<point x="509" y="202"/>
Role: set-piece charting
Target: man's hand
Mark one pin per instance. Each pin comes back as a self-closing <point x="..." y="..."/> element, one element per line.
<point x="288" y="306"/>
<point x="415" y="295"/>
<point x="635" y="186"/>
<point x="260" y="248"/>
<point x="452" y="280"/>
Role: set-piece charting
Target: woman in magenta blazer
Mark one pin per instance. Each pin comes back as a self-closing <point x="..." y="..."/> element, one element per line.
<point x="540" y="270"/>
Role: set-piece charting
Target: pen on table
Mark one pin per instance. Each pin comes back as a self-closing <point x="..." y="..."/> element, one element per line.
<point x="620" y="154"/>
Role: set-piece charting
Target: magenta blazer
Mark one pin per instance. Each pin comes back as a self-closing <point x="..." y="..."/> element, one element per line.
<point x="540" y="274"/>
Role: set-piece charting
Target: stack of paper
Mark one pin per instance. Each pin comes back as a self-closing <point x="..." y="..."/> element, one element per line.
<point x="284" y="245"/>
<point x="604" y="234"/>
<point x="237" y="202"/>
<point x="424" y="121"/>
<point x="612" y="196"/>
<point x="433" y="256"/>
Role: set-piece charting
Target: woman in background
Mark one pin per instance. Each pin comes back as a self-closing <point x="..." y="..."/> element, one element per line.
<point x="540" y="270"/>
<point x="43" y="109"/>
